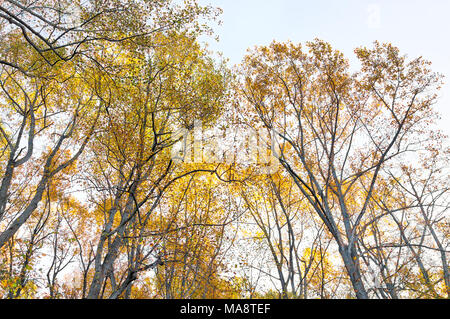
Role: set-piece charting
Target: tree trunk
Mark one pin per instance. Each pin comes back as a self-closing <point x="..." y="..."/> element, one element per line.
<point x="352" y="265"/>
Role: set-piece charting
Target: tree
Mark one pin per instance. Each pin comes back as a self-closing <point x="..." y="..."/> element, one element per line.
<point x="193" y="241"/>
<point x="337" y="132"/>
<point x="309" y="180"/>
<point x="131" y="166"/>
<point x="59" y="30"/>
<point x="36" y="111"/>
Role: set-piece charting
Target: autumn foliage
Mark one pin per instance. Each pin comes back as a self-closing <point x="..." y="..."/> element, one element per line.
<point x="95" y="96"/>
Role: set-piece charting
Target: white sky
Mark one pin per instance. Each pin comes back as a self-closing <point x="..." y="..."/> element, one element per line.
<point x="417" y="27"/>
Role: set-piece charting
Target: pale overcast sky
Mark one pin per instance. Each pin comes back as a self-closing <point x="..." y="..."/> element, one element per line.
<point x="417" y="27"/>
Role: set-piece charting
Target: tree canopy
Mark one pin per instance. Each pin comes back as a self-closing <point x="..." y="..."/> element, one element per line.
<point x="135" y="163"/>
